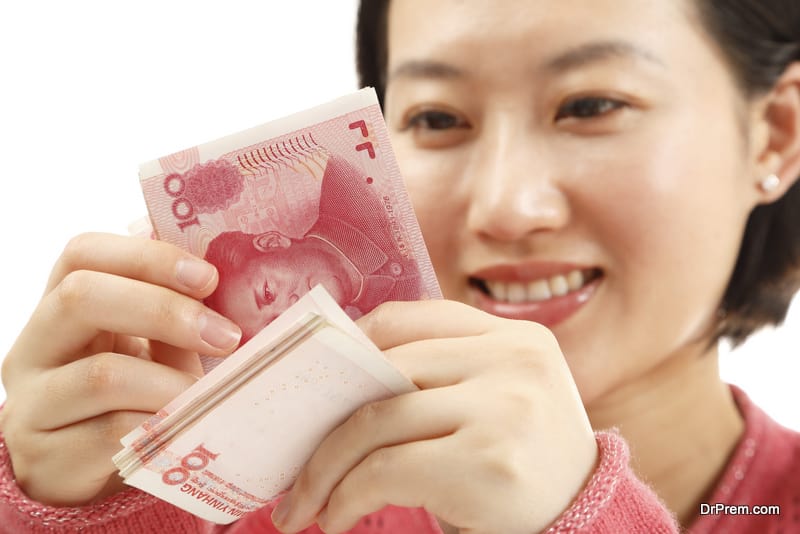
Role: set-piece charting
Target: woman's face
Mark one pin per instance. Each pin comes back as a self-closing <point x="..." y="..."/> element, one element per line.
<point x="581" y="164"/>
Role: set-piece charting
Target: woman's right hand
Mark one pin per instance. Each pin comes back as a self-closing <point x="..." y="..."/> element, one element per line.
<point x="115" y="337"/>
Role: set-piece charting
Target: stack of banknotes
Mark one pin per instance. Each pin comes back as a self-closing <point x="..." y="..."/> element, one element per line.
<point x="310" y="227"/>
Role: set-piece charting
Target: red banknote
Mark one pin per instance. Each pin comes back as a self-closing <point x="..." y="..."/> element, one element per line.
<point x="314" y="198"/>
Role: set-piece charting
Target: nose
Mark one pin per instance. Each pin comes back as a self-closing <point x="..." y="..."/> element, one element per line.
<point x="514" y="186"/>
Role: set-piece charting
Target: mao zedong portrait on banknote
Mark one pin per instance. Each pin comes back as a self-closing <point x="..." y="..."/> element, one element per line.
<point x="350" y="250"/>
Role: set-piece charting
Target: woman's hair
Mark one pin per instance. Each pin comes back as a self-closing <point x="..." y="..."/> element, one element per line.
<point x="760" y="39"/>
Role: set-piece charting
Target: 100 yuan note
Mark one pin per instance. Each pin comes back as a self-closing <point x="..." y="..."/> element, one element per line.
<point x="245" y="449"/>
<point x="315" y="198"/>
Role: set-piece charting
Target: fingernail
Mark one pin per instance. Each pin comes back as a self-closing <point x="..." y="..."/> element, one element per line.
<point x="218" y="331"/>
<point x="194" y="274"/>
<point x="281" y="512"/>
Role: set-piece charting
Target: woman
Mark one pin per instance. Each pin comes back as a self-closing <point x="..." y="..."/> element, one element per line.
<point x="612" y="184"/>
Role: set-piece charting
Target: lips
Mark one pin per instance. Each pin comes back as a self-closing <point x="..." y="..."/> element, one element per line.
<point x="546" y="293"/>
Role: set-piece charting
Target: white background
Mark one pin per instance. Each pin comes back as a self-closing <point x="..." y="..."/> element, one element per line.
<point x="88" y="90"/>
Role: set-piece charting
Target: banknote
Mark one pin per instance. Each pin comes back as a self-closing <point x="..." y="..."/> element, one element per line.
<point x="240" y="435"/>
<point x="315" y="198"/>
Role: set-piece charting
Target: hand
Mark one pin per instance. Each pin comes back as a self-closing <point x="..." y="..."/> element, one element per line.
<point x="115" y="337"/>
<point x="496" y="440"/>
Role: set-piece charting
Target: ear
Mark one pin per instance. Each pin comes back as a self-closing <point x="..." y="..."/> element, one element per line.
<point x="779" y="139"/>
<point x="271" y="240"/>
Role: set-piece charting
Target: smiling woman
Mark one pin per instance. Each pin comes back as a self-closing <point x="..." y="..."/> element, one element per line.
<point x="598" y="154"/>
<point x="606" y="189"/>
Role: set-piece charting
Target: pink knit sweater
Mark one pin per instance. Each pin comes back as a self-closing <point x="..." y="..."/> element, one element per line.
<point x="764" y="470"/>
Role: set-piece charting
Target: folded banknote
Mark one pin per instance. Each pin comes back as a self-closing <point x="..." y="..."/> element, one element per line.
<point x="239" y="436"/>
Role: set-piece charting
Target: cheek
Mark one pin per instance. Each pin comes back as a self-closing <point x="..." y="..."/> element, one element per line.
<point x="432" y="180"/>
<point x="673" y="182"/>
<point x="667" y="214"/>
<point x="229" y="300"/>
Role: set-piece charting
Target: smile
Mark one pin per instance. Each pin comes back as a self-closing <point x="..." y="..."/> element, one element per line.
<point x="537" y="290"/>
<point x="547" y="295"/>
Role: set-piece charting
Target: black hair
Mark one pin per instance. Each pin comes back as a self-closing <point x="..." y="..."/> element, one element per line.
<point x="760" y="39"/>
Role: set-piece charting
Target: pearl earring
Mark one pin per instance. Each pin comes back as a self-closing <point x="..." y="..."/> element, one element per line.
<point x="770" y="183"/>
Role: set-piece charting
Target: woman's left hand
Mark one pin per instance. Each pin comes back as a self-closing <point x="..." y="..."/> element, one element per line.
<point x="496" y="440"/>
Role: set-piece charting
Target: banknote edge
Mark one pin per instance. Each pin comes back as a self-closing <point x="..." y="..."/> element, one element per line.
<point x="330" y="110"/>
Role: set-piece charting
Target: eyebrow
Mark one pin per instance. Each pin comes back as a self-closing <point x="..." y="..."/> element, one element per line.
<point x="599" y="51"/>
<point x="572" y="59"/>
<point x="426" y="69"/>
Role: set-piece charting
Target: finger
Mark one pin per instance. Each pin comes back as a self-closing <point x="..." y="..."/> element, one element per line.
<point x="177" y="358"/>
<point x="402" y="475"/>
<point x="102" y="383"/>
<point x="100" y="436"/>
<point x="402" y="419"/>
<point x="86" y="303"/>
<point x="434" y="363"/>
<point x="132" y="346"/>
<point x="142" y="259"/>
<point x="397" y="323"/>
<point x="80" y="454"/>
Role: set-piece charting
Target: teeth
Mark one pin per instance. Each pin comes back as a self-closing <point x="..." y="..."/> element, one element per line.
<point x="558" y="285"/>
<point x="499" y="290"/>
<point x="575" y="280"/>
<point x="516" y="293"/>
<point x="538" y="290"/>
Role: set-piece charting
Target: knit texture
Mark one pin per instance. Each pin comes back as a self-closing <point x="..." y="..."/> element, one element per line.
<point x="763" y="470"/>
<point x="614" y="500"/>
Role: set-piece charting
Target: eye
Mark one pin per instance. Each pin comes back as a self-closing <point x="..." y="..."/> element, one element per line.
<point x="269" y="296"/>
<point x="436" y="128"/>
<point x="588" y="108"/>
<point x="434" y="120"/>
